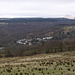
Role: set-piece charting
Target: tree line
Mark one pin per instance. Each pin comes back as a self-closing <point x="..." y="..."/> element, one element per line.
<point x="52" y="46"/>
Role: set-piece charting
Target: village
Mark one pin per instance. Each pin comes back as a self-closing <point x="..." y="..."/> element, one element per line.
<point x="33" y="41"/>
<point x="30" y="42"/>
<point x="1" y="48"/>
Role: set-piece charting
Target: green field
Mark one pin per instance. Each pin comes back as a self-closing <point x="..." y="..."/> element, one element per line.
<point x="42" y="64"/>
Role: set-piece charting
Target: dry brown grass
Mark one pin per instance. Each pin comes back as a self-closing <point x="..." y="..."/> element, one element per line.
<point x="59" y="63"/>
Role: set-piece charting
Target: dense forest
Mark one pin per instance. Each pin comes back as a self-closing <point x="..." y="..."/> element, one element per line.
<point x="62" y="30"/>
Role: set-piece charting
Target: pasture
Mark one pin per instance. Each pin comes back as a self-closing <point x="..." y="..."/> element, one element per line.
<point x="42" y="64"/>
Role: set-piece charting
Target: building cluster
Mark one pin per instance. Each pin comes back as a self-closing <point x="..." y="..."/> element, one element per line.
<point x="1" y="48"/>
<point x="33" y="41"/>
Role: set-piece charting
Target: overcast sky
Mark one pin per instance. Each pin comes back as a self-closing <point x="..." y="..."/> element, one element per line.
<point x="37" y="8"/>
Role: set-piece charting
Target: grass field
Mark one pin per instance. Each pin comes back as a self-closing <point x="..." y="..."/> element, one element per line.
<point x="69" y="28"/>
<point x="42" y="64"/>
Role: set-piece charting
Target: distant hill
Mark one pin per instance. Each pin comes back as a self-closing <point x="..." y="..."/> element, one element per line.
<point x="69" y="17"/>
<point x="12" y="29"/>
<point x="33" y="19"/>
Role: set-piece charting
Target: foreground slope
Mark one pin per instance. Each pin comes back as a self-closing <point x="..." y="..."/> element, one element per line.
<point x="43" y="64"/>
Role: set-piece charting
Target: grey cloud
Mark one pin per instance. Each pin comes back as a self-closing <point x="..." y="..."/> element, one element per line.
<point x="43" y="8"/>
